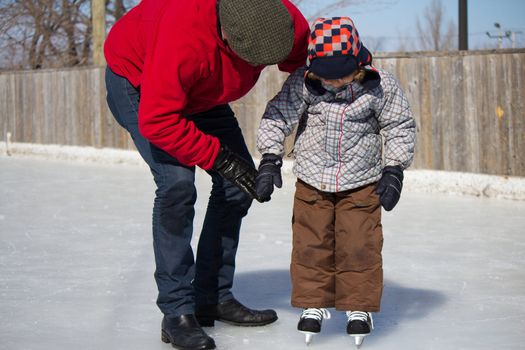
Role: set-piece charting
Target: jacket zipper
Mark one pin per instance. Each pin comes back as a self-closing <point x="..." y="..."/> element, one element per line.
<point x="340" y="139"/>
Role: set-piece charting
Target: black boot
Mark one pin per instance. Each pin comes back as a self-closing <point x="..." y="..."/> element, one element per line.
<point x="233" y="312"/>
<point x="184" y="333"/>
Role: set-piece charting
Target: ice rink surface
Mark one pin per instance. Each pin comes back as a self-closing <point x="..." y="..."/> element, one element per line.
<point x="76" y="267"/>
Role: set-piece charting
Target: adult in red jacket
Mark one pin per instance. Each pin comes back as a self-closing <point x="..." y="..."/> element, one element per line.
<point x="173" y="67"/>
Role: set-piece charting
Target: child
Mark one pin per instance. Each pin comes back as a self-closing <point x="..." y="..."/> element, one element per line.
<point x="341" y="105"/>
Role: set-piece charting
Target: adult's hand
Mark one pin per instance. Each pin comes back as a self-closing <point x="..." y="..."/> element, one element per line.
<point x="236" y="170"/>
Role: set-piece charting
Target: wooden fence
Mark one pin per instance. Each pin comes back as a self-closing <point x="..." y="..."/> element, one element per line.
<point x="469" y="108"/>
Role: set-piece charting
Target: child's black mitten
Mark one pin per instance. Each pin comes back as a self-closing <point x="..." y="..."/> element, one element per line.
<point x="268" y="176"/>
<point x="389" y="186"/>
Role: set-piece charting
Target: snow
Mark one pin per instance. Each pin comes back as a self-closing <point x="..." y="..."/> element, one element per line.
<point x="427" y="181"/>
<point x="76" y="264"/>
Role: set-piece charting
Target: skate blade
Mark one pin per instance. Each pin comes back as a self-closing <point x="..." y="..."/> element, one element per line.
<point x="308" y="336"/>
<point x="358" y="338"/>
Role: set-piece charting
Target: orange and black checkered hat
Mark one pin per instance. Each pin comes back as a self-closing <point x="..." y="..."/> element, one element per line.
<point x="334" y="48"/>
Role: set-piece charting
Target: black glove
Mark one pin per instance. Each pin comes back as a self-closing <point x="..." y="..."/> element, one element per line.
<point x="236" y="170"/>
<point x="389" y="186"/>
<point x="269" y="175"/>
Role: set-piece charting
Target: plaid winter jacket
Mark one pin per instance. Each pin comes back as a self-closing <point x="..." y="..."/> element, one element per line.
<point x="338" y="145"/>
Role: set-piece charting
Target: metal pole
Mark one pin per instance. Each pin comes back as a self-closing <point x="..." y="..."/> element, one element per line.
<point x="463" y="25"/>
<point x="98" y="20"/>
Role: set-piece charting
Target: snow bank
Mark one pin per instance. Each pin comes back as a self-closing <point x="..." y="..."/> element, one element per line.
<point x="426" y="181"/>
<point x="449" y="182"/>
<point x="72" y="153"/>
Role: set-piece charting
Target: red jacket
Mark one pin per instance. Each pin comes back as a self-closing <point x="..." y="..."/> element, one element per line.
<point x="173" y="51"/>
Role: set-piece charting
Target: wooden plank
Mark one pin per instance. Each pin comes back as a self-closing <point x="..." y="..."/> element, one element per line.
<point x="470" y="113"/>
<point x="437" y="115"/>
<point x="457" y="135"/>
<point x="494" y="133"/>
<point x="424" y="141"/>
<point x="5" y="105"/>
<point x="517" y="87"/>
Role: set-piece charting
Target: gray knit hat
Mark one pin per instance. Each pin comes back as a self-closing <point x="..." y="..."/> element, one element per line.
<point x="259" y="31"/>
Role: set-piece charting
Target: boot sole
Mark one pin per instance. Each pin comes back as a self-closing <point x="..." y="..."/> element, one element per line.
<point x="205" y="321"/>
<point x="248" y="324"/>
<point x="210" y="322"/>
<point x="166" y="339"/>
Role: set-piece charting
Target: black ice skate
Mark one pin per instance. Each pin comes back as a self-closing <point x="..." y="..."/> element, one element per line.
<point x="310" y="322"/>
<point x="359" y="325"/>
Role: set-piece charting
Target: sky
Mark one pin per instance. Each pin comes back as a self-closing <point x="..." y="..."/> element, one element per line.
<point x="388" y="20"/>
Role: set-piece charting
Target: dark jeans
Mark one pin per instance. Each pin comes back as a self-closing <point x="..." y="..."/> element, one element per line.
<point x="183" y="281"/>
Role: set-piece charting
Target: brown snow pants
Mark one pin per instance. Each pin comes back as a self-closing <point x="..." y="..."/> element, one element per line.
<point x="337" y="243"/>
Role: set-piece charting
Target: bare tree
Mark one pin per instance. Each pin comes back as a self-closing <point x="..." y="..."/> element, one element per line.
<point x="433" y="33"/>
<point x="374" y="43"/>
<point x="117" y="8"/>
<point x="321" y="8"/>
<point x="50" y="33"/>
<point x="313" y="9"/>
<point x="43" y="33"/>
<point x="404" y="42"/>
<point x="58" y="33"/>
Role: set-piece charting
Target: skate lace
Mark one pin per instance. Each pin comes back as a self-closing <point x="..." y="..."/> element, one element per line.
<point x="317" y="314"/>
<point x="360" y="316"/>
